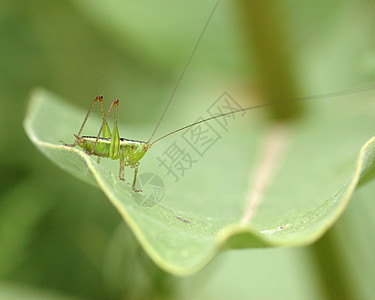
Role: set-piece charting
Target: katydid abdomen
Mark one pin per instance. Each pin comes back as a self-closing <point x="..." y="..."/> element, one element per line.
<point x="102" y="147"/>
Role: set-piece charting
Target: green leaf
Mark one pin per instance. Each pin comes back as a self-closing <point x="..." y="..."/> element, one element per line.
<point x="259" y="185"/>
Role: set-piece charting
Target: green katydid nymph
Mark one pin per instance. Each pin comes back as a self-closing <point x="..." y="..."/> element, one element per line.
<point x="130" y="152"/>
<point x="108" y="144"/>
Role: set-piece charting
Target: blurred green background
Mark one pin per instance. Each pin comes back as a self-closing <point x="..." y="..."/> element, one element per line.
<point x="60" y="238"/>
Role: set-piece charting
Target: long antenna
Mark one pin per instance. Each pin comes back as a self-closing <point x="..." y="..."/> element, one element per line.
<point x="321" y="96"/>
<point x="185" y="68"/>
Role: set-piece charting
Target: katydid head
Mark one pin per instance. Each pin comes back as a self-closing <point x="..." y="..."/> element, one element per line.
<point x="143" y="148"/>
<point x="136" y="149"/>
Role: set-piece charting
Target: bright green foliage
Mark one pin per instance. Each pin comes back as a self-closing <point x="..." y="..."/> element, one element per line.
<point x="59" y="234"/>
<point x="321" y="161"/>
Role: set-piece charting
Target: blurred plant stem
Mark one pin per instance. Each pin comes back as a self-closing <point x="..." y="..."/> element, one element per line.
<point x="264" y="34"/>
<point x="330" y="266"/>
<point x="128" y="271"/>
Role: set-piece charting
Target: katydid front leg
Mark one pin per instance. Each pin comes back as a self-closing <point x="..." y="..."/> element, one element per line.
<point x="121" y="174"/>
<point x="135" y="178"/>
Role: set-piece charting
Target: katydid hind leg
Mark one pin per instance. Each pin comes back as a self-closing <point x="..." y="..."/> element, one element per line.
<point x="106" y="130"/>
<point x="100" y="98"/>
<point x="115" y="140"/>
<point x="114" y="149"/>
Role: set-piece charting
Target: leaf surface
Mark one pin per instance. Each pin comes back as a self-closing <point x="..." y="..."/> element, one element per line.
<point x="259" y="185"/>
